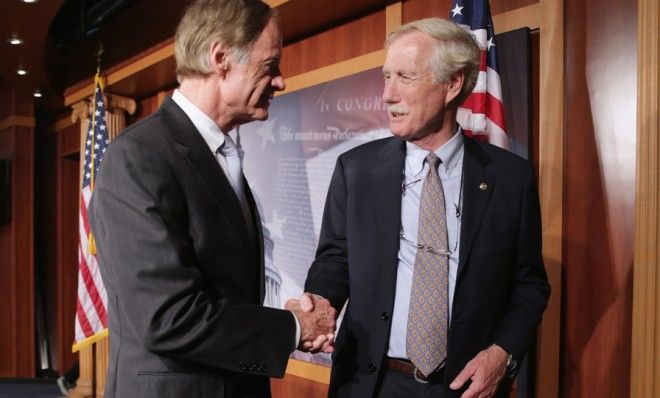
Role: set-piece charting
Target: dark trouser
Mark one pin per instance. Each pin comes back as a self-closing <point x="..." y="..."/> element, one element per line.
<point x="395" y="384"/>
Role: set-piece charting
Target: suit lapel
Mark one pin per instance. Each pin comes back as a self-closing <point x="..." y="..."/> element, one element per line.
<point x="386" y="179"/>
<point x="206" y="165"/>
<point x="475" y="197"/>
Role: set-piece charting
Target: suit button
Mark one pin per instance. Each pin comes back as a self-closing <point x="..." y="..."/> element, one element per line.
<point x="385" y="316"/>
<point x="372" y="367"/>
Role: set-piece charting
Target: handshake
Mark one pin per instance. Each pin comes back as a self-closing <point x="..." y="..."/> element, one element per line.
<point x="317" y="321"/>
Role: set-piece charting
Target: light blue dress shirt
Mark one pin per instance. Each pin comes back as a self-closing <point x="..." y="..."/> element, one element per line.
<point x="415" y="170"/>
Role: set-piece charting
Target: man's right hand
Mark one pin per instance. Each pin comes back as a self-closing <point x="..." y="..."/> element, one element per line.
<point x="317" y="322"/>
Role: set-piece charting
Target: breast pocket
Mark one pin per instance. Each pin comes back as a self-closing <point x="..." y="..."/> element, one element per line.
<point x="177" y="385"/>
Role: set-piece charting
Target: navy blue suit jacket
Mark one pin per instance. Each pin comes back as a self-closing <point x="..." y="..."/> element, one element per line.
<point x="501" y="287"/>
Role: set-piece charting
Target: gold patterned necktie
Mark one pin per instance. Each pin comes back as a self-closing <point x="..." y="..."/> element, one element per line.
<point x="428" y="316"/>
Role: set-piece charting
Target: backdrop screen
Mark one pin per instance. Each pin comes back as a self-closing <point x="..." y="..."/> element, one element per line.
<point x="288" y="161"/>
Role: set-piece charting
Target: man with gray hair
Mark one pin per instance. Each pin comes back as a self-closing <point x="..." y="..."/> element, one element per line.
<point x="431" y="238"/>
<point x="178" y="233"/>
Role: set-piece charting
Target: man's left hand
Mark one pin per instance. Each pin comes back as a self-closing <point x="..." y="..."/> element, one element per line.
<point x="485" y="370"/>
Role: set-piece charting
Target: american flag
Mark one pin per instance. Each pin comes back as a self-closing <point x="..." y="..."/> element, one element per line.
<point x="482" y="113"/>
<point x="91" y="316"/>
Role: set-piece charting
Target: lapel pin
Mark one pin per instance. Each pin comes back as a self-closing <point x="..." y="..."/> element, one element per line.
<point x="483" y="186"/>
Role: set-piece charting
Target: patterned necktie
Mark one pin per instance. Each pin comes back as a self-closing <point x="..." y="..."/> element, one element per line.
<point x="426" y="337"/>
<point x="235" y="171"/>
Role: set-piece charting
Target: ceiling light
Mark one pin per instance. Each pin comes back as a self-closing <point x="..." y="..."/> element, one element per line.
<point x="14" y="40"/>
<point x="37" y="93"/>
<point x="21" y="71"/>
<point x="30" y="1"/>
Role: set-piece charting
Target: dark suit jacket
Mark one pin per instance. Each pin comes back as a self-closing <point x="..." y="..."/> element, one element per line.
<point x="184" y="280"/>
<point x="501" y="288"/>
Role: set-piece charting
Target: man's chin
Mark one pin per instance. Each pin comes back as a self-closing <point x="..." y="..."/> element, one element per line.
<point x="260" y="114"/>
<point x="401" y="134"/>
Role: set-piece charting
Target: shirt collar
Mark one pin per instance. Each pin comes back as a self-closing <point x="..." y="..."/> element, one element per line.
<point x="208" y="128"/>
<point x="449" y="153"/>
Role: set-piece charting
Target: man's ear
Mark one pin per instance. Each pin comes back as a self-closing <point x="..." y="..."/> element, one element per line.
<point x="454" y="85"/>
<point x="219" y="59"/>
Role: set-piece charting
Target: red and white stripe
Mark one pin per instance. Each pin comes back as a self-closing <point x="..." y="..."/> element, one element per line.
<point x="482" y="113"/>
<point x="91" y="315"/>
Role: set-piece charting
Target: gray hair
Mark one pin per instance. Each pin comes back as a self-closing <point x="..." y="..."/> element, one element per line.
<point x="456" y="50"/>
<point x="236" y="24"/>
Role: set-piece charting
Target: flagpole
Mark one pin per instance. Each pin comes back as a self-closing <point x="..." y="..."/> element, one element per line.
<point x="97" y="83"/>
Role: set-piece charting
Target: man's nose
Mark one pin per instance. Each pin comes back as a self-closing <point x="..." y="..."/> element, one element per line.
<point x="278" y="83"/>
<point x="389" y="93"/>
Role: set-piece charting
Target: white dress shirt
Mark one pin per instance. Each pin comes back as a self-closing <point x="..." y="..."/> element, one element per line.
<point x="207" y="127"/>
<point x="415" y="170"/>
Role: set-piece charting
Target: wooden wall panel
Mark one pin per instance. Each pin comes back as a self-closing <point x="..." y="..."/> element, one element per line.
<point x="354" y="38"/>
<point x="416" y="9"/>
<point x="68" y="140"/>
<point x="67" y="223"/>
<point x="599" y="191"/>
<point x="56" y="248"/>
<point x="297" y="387"/>
<point x="645" y="366"/>
<point x="499" y="6"/>
<point x="17" y="337"/>
<point x="145" y="107"/>
<point x="23" y="210"/>
<point x="535" y="99"/>
<point x="45" y="230"/>
<point x="7" y="273"/>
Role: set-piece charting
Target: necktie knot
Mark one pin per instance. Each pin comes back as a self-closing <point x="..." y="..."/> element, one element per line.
<point x="228" y="148"/>
<point x="433" y="160"/>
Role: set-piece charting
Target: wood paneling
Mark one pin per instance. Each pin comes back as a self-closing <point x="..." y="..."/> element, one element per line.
<point x="57" y="245"/>
<point x="297" y="387"/>
<point x="528" y="16"/>
<point x="355" y="38"/>
<point x="551" y="172"/>
<point x="57" y="234"/>
<point x="535" y="100"/>
<point x="302" y="18"/>
<point x="17" y="336"/>
<point x="68" y="195"/>
<point x="645" y="367"/>
<point x="599" y="188"/>
<point x="68" y="141"/>
<point x="500" y="6"/>
<point x="45" y="230"/>
<point x="417" y="9"/>
<point x="145" y="108"/>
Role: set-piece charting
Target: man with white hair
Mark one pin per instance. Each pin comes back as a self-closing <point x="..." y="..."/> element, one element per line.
<point x="433" y="239"/>
<point x="178" y="233"/>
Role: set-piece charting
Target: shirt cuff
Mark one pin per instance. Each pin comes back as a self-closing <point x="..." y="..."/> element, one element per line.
<point x="297" y="341"/>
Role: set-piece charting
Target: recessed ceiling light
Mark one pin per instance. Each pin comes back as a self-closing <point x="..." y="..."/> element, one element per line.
<point x="14" y="40"/>
<point x="21" y="71"/>
<point x="30" y="1"/>
<point x="37" y="93"/>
